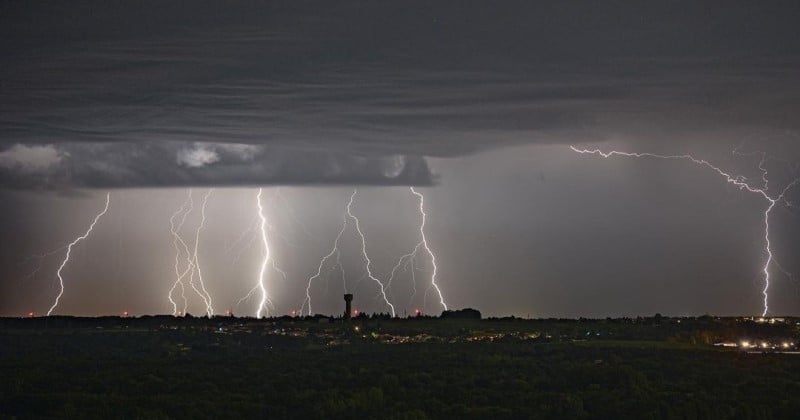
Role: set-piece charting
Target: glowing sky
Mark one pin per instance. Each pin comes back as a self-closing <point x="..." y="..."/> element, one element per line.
<point x="476" y="104"/>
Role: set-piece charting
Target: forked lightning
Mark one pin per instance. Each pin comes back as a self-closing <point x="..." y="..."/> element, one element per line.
<point x="739" y="181"/>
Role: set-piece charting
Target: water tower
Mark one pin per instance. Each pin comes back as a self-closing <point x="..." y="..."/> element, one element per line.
<point x="348" y="305"/>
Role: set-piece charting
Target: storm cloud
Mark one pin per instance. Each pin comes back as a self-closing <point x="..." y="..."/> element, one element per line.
<point x="150" y="93"/>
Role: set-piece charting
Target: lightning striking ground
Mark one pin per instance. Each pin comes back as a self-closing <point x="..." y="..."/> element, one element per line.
<point x="192" y="260"/>
<point x="263" y="305"/>
<point x="176" y="241"/>
<point x="427" y="248"/>
<point x="69" y="251"/>
<point x="738" y="181"/>
<point x="410" y="258"/>
<point x="334" y="251"/>
<point x="196" y="259"/>
<point x="368" y="262"/>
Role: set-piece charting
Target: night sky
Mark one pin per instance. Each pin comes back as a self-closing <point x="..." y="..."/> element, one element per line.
<point x="475" y="103"/>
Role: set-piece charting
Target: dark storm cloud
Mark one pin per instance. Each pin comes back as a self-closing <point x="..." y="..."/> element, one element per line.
<point x="119" y="91"/>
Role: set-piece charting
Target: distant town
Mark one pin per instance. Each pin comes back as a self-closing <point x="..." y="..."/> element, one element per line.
<point x="751" y="334"/>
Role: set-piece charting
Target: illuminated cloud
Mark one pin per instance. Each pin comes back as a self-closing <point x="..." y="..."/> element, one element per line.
<point x="197" y="156"/>
<point x="129" y="165"/>
<point x="24" y="158"/>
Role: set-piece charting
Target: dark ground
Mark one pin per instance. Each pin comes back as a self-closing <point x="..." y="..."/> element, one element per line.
<point x="164" y="367"/>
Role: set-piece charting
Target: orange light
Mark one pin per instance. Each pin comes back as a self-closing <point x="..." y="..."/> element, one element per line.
<point x="30" y="314"/>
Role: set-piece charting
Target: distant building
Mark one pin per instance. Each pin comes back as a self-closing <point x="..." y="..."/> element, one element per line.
<point x="467" y="313"/>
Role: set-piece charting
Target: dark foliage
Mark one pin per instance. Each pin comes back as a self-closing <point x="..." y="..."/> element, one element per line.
<point x="299" y="368"/>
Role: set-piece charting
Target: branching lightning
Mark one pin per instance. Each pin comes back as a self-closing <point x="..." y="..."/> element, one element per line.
<point x="192" y="260"/>
<point x="403" y="263"/>
<point x="334" y="251"/>
<point x="410" y="258"/>
<point x="176" y="240"/>
<point x="69" y="251"/>
<point x="261" y="229"/>
<point x="427" y="248"/>
<point x="368" y="262"/>
<point x="738" y="181"/>
<point x="196" y="259"/>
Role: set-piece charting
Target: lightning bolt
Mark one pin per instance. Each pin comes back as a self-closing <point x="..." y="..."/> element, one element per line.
<point x="263" y="228"/>
<point x="407" y="259"/>
<point x="341" y="269"/>
<point x="739" y="182"/>
<point x="69" y="251"/>
<point x="427" y="248"/>
<point x="413" y="280"/>
<point x="334" y="251"/>
<point x="410" y="258"/>
<point x="196" y="259"/>
<point x="176" y="240"/>
<point x="368" y="262"/>
<point x="263" y="303"/>
<point x="192" y="260"/>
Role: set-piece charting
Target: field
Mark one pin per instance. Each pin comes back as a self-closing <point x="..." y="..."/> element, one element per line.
<point x="164" y="367"/>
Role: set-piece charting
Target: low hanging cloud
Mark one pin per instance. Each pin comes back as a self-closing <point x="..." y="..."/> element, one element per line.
<point x="170" y="164"/>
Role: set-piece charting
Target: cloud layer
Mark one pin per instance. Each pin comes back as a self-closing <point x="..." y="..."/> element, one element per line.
<point x="170" y="164"/>
<point x="330" y="85"/>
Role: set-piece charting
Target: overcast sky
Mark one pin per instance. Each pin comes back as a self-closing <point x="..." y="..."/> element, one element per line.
<point x="476" y="103"/>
